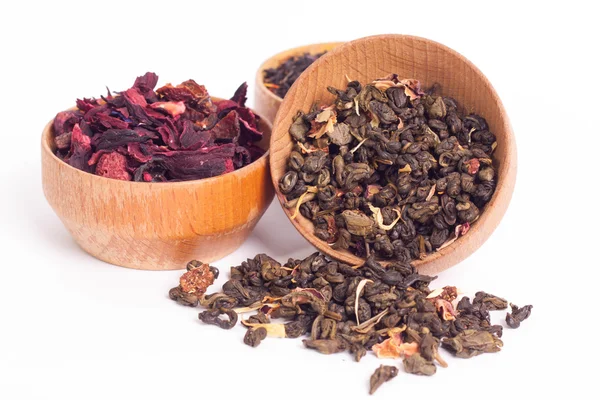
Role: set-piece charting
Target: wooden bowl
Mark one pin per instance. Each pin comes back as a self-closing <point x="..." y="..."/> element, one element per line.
<point x="374" y="57"/>
<point x="157" y="226"/>
<point x="266" y="102"/>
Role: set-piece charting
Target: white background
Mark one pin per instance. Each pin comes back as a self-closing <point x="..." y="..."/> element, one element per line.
<point x="72" y="327"/>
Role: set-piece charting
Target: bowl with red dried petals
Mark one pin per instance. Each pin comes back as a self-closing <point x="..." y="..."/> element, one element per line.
<point x="277" y="74"/>
<point x="151" y="179"/>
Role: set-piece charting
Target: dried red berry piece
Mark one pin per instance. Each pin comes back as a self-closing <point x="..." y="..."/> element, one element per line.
<point x="197" y="279"/>
<point x="113" y="165"/>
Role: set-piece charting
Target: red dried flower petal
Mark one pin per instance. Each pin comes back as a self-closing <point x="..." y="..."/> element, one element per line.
<point x="223" y="105"/>
<point x="134" y="96"/>
<point x="146" y="84"/>
<point x="169" y="135"/>
<point x="192" y="138"/>
<point x="81" y="149"/>
<point x="136" y="152"/>
<point x="228" y="128"/>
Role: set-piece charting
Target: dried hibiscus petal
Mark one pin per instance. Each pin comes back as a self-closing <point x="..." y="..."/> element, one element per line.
<point x="81" y="149"/>
<point x="117" y="137"/>
<point x="227" y="129"/>
<point x="199" y="164"/>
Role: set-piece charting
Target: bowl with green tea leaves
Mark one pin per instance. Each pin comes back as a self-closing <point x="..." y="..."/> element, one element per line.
<point x="400" y="149"/>
<point x="278" y="73"/>
<point x="149" y="179"/>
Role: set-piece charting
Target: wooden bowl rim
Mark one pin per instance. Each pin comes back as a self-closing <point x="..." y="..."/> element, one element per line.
<point x="260" y="162"/>
<point x="291" y="51"/>
<point x="506" y="185"/>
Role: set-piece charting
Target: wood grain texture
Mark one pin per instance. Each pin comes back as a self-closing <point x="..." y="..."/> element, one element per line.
<point x="266" y="102"/>
<point x="410" y="57"/>
<point x="157" y="226"/>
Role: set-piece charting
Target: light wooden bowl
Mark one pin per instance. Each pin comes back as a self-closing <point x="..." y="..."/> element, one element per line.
<point x="157" y="226"/>
<point x="411" y="57"/>
<point x="266" y="102"/>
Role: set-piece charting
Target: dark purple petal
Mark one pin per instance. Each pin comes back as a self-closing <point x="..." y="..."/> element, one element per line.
<point x="193" y="138"/>
<point x="117" y="137"/>
<point x="227" y="129"/>
<point x="240" y="95"/>
<point x="199" y="164"/>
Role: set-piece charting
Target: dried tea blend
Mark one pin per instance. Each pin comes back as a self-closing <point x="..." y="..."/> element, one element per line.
<point x="175" y="133"/>
<point x="390" y="311"/>
<point x="279" y="80"/>
<point x="389" y="169"/>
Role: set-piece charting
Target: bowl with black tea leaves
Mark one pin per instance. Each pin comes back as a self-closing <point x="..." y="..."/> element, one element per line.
<point x="397" y="148"/>
<point x="152" y="179"/>
<point x="278" y="73"/>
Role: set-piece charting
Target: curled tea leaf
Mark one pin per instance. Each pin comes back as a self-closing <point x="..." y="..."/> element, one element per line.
<point x="357" y="223"/>
<point x="212" y="317"/>
<point x="517" y="315"/>
<point x="325" y="346"/>
<point x="299" y="128"/>
<point x="381" y="375"/>
<point x="491" y="302"/>
<point x="470" y="343"/>
<point x="254" y="336"/>
<point x="428" y="348"/>
<point x="417" y="365"/>
<point x="436" y="108"/>
<point x="183" y="298"/>
<point x="308" y="296"/>
<point x="340" y="134"/>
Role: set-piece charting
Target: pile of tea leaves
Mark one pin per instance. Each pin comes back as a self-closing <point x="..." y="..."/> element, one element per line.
<point x="389" y="311"/>
<point x="279" y="80"/>
<point x="389" y="169"/>
<point x="176" y="133"/>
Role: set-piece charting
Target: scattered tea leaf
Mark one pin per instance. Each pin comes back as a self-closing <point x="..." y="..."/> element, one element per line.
<point x="417" y="365"/>
<point x="517" y="315"/>
<point x="381" y="375"/>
